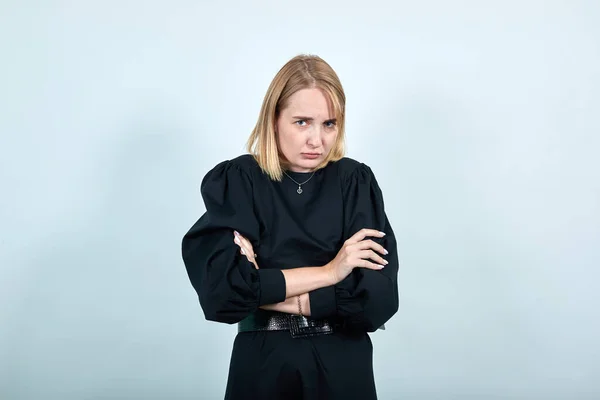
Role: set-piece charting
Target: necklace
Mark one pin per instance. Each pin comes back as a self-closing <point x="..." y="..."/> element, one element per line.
<point x="300" y="184"/>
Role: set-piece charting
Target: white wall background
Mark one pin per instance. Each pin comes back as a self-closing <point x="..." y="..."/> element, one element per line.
<point x="480" y="119"/>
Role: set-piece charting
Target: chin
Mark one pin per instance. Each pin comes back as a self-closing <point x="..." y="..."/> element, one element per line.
<point x="308" y="164"/>
<point x="308" y="160"/>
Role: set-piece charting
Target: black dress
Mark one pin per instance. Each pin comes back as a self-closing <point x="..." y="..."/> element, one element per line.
<point x="289" y="230"/>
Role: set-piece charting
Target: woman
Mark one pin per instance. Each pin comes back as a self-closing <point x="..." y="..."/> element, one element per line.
<point x="295" y="247"/>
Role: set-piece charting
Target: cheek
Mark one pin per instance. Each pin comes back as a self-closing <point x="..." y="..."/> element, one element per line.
<point x="277" y="129"/>
<point x="287" y="137"/>
<point x="330" y="140"/>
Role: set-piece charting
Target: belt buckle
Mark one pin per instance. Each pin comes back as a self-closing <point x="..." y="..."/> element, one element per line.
<point x="300" y="326"/>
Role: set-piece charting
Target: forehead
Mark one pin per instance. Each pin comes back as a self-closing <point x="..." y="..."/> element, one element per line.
<point x="309" y="103"/>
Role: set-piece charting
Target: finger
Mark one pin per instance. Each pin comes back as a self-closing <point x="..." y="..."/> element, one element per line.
<point x="249" y="258"/>
<point x="244" y="248"/>
<point x="370" y="244"/>
<point x="247" y="245"/>
<point x="370" y="254"/>
<point x="369" y="265"/>
<point x="363" y="233"/>
<point x="238" y="241"/>
<point x="241" y="238"/>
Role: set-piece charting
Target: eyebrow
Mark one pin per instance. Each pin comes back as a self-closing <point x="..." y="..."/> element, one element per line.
<point x="312" y="119"/>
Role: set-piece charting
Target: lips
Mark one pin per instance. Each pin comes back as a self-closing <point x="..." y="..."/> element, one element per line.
<point x="311" y="156"/>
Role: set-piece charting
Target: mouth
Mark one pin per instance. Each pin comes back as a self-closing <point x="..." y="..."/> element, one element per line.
<point x="312" y="154"/>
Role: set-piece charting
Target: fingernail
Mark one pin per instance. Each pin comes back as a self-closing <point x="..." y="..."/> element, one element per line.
<point x="243" y="252"/>
<point x="385" y="251"/>
<point x="386" y="262"/>
<point x="381" y="266"/>
<point x="382" y="233"/>
<point x="236" y="233"/>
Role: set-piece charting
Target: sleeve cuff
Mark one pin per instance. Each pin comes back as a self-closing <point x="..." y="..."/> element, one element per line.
<point x="272" y="286"/>
<point x="322" y="302"/>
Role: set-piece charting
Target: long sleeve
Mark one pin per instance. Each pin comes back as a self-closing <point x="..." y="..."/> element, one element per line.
<point x="366" y="299"/>
<point x="228" y="286"/>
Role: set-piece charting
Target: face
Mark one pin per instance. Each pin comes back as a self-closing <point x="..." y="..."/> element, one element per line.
<point x="306" y="129"/>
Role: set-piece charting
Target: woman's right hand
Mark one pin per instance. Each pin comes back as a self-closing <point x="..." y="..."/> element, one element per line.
<point x="355" y="253"/>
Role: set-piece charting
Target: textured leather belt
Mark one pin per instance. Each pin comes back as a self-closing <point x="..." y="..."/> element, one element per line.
<point x="298" y="326"/>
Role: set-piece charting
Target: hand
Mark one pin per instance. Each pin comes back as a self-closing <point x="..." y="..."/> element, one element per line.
<point x="245" y="247"/>
<point x="355" y="252"/>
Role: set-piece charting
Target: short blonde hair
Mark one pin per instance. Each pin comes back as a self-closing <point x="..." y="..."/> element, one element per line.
<point x="301" y="72"/>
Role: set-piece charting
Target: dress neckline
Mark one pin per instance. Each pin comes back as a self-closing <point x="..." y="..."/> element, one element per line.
<point x="299" y="175"/>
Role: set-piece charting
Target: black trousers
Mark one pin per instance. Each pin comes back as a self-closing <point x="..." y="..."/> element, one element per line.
<point x="273" y="365"/>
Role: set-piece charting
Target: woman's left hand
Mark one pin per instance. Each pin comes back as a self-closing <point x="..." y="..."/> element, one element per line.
<point x="245" y="247"/>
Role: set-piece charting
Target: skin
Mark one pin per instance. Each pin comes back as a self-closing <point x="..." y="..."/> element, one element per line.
<point x="307" y="125"/>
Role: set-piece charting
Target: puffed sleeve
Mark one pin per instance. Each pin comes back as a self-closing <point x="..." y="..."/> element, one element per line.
<point x="228" y="286"/>
<point x="367" y="298"/>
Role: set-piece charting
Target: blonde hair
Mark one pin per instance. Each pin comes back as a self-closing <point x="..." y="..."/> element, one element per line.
<point x="301" y="72"/>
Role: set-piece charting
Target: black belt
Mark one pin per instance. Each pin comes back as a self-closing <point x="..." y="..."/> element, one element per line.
<point x="298" y="326"/>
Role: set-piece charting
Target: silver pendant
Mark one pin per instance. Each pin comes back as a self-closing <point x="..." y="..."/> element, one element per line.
<point x="299" y="190"/>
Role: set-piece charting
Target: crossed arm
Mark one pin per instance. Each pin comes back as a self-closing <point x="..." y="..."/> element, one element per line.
<point x="302" y="282"/>
<point x="306" y="279"/>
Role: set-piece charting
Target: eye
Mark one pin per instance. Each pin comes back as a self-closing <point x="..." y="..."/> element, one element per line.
<point x="300" y="121"/>
<point x="330" y="124"/>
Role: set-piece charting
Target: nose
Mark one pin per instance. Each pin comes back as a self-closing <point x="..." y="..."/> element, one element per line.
<point x="314" y="137"/>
